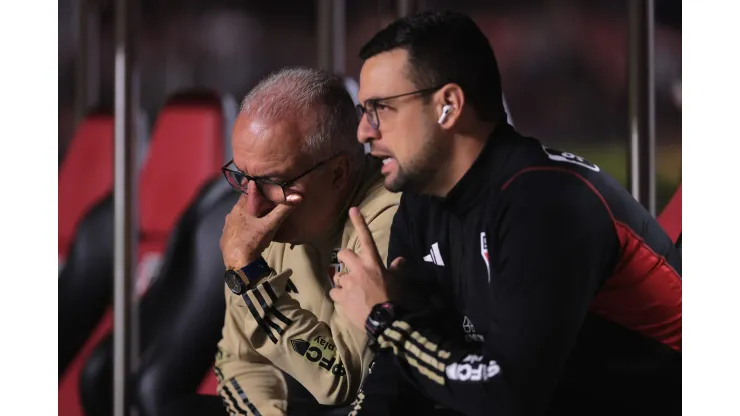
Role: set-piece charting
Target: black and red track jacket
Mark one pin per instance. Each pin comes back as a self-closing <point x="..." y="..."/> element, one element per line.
<point x="564" y="293"/>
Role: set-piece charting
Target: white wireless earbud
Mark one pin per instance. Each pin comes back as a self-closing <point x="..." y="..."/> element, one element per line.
<point x="445" y="112"/>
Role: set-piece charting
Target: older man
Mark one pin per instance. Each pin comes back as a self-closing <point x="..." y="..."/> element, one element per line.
<point x="299" y="168"/>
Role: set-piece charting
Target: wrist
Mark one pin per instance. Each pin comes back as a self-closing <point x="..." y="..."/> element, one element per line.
<point x="243" y="261"/>
<point x="241" y="279"/>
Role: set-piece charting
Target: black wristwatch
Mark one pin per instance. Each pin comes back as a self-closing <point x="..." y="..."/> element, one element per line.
<point x="238" y="280"/>
<point x="381" y="317"/>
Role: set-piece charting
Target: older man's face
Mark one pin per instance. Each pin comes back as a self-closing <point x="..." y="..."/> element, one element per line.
<point x="273" y="150"/>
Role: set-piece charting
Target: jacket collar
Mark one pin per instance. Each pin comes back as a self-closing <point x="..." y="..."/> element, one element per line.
<point x="485" y="171"/>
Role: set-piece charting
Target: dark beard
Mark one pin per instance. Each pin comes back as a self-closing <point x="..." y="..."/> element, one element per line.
<point x="420" y="171"/>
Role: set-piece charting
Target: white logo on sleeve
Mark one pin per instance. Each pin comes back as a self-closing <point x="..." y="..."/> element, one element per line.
<point x="559" y="156"/>
<point x="466" y="371"/>
<point x="472" y="359"/>
<point x="434" y="256"/>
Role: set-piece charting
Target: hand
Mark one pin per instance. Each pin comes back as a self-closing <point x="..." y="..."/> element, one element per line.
<point x="246" y="236"/>
<point x="364" y="284"/>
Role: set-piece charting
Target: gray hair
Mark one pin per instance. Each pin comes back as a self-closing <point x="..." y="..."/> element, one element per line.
<point x="317" y="99"/>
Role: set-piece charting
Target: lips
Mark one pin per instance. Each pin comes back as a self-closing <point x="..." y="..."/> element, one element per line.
<point x="381" y="156"/>
<point x="387" y="160"/>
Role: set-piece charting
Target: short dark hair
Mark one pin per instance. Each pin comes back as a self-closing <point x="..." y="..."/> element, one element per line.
<point x="445" y="47"/>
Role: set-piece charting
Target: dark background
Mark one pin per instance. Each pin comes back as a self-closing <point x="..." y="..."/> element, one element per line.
<point x="563" y="62"/>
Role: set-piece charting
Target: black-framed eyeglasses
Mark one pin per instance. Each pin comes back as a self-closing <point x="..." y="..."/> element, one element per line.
<point x="273" y="191"/>
<point x="370" y="108"/>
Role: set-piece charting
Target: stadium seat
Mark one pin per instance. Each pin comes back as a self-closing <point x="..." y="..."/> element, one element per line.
<point x="85" y="181"/>
<point x="86" y="243"/>
<point x="188" y="302"/>
<point x="86" y="175"/>
<point x="179" y="184"/>
<point x="85" y="232"/>
<point x="670" y="218"/>
<point x="209" y="384"/>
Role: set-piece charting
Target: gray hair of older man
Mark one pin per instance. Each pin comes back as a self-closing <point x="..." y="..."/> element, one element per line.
<point x="315" y="98"/>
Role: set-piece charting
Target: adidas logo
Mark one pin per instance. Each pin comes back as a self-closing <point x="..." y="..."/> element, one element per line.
<point x="434" y="256"/>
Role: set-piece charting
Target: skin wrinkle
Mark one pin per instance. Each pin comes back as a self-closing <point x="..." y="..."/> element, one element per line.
<point x="270" y="140"/>
<point x="257" y="142"/>
<point x="275" y="151"/>
<point x="303" y="96"/>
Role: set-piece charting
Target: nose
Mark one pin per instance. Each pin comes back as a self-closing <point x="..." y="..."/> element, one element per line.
<point x="257" y="204"/>
<point x="365" y="133"/>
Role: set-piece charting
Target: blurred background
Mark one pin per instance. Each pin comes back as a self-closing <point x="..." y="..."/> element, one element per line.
<point x="563" y="62"/>
<point x="564" y="67"/>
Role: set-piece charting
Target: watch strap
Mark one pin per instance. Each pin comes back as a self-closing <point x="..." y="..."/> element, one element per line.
<point x="239" y="280"/>
<point x="256" y="270"/>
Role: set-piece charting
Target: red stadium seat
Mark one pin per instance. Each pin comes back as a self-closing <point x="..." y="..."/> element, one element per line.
<point x="185" y="153"/>
<point x="184" y="306"/>
<point x="670" y="218"/>
<point x="85" y="242"/>
<point x="209" y="384"/>
<point x="86" y="175"/>
<point x="85" y="182"/>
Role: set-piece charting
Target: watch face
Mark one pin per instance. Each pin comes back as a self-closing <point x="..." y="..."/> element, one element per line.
<point x="380" y="317"/>
<point x="234" y="282"/>
<point x="383" y="312"/>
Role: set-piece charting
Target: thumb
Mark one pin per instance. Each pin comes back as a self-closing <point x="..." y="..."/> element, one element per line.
<point x="397" y="264"/>
<point x="278" y="214"/>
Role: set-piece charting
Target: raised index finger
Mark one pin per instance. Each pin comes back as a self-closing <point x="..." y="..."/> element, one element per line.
<point x="367" y="244"/>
